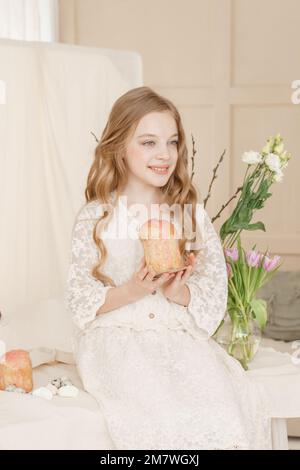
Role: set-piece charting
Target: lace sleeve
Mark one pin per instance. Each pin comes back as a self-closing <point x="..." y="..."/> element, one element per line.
<point x="208" y="284"/>
<point x="85" y="294"/>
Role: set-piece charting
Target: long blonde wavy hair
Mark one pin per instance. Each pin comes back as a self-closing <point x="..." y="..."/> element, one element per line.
<point x="109" y="170"/>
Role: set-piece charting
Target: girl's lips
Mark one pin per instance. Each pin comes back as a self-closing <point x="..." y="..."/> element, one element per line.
<point x="159" y="171"/>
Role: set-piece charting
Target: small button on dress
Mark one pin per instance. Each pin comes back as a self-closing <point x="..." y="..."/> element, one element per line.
<point x="151" y="315"/>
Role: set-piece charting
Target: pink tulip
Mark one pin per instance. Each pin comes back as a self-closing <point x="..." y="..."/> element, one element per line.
<point x="232" y="253"/>
<point x="229" y="270"/>
<point x="270" y="263"/>
<point x="253" y="258"/>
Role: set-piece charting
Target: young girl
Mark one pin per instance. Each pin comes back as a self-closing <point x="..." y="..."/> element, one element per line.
<point x="144" y="348"/>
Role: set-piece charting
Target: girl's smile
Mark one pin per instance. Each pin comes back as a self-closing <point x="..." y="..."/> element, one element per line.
<point x="159" y="170"/>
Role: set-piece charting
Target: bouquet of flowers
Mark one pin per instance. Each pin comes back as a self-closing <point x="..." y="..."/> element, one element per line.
<point x="248" y="271"/>
<point x="247" y="315"/>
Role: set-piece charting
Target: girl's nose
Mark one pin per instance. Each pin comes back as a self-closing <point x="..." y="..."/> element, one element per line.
<point x="163" y="157"/>
<point x="164" y="153"/>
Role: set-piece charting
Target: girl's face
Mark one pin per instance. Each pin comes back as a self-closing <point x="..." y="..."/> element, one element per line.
<point x="152" y="151"/>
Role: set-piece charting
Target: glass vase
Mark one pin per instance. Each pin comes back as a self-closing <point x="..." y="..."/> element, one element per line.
<point x="240" y="336"/>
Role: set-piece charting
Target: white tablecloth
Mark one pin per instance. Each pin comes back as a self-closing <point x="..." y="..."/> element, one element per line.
<point x="280" y="374"/>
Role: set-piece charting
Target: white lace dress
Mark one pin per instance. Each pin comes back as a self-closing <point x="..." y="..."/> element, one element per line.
<point x="160" y="379"/>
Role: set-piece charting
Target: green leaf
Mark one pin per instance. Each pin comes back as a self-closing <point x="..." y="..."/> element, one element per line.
<point x="259" y="307"/>
<point x="257" y="226"/>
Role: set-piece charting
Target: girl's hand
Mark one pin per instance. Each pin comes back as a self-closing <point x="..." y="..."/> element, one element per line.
<point x="171" y="289"/>
<point x="143" y="283"/>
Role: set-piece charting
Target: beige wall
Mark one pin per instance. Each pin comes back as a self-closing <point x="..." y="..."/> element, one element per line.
<point x="228" y="65"/>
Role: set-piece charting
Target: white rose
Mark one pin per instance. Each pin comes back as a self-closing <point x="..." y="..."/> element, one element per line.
<point x="273" y="162"/>
<point x="251" y="157"/>
<point x="279" y="148"/>
<point x="278" y="176"/>
<point x="284" y="158"/>
<point x="268" y="147"/>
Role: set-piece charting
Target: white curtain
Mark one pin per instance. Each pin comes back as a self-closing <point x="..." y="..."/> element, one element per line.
<point x="53" y="97"/>
<point x="30" y="20"/>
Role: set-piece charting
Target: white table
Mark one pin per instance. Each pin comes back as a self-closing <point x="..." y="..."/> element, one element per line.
<point x="280" y="374"/>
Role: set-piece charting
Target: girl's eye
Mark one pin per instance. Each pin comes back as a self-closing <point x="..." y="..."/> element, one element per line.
<point x="175" y="142"/>
<point x="149" y="142"/>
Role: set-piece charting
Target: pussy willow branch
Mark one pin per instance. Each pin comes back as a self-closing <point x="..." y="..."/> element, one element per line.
<point x="194" y="151"/>
<point x="214" y="177"/>
<point x="95" y="136"/>
<point x="225" y="205"/>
